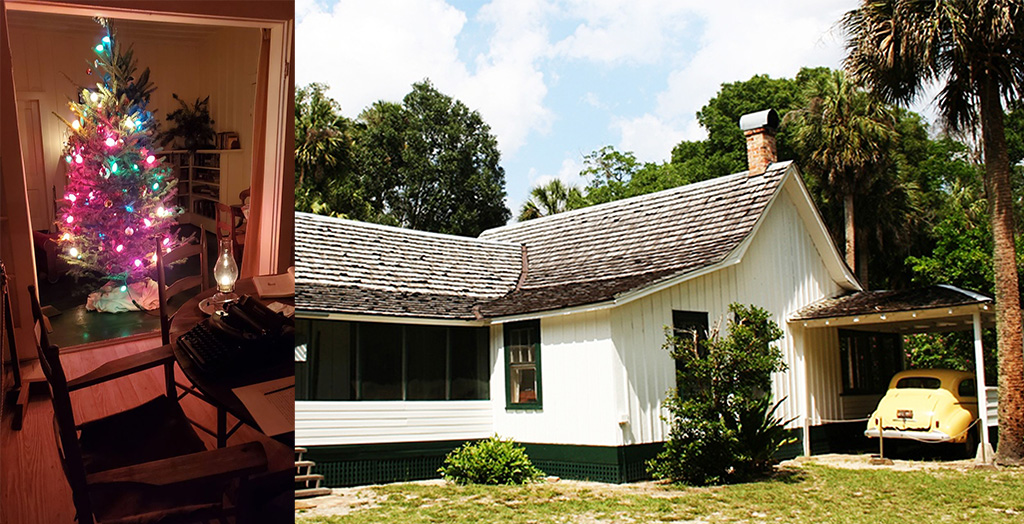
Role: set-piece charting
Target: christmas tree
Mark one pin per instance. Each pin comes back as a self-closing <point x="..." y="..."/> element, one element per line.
<point x="118" y="202"/>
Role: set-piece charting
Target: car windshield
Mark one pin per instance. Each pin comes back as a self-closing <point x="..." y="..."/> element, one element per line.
<point x="918" y="383"/>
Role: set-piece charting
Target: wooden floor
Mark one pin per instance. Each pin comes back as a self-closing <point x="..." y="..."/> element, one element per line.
<point x="33" y="488"/>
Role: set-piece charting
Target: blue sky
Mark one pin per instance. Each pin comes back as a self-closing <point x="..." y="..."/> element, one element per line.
<point x="558" y="79"/>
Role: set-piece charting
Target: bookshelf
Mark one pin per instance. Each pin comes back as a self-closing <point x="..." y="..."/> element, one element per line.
<point x="206" y="177"/>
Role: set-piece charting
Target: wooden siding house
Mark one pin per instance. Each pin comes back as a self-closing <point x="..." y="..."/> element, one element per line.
<point x="550" y="331"/>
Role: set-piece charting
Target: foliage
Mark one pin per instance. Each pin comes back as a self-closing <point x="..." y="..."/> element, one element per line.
<point x="435" y="163"/>
<point x="953" y="350"/>
<point x="492" y="461"/>
<point x="723" y="426"/>
<point x="119" y="197"/>
<point x="428" y="163"/>
<point x="327" y="181"/>
<point x="549" y="199"/>
<point x="192" y="123"/>
<point x="975" y="51"/>
<point x="844" y="137"/>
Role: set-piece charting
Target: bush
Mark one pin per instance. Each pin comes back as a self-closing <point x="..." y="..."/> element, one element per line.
<point x="722" y="422"/>
<point x="493" y="461"/>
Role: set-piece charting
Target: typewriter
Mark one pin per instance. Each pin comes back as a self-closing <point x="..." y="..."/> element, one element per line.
<point x="247" y="334"/>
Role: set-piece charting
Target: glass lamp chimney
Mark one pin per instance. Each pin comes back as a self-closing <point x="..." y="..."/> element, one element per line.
<point x="225" y="272"/>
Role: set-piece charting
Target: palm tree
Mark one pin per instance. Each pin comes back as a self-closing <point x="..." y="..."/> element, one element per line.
<point x="844" y="135"/>
<point x="976" y="48"/>
<point x="321" y="140"/>
<point x="551" y="198"/>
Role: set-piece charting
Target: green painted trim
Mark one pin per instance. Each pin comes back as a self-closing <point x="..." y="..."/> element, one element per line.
<point x="538" y="405"/>
<point x="378" y="463"/>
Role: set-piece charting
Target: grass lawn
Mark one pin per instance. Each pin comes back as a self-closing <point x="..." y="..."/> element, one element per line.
<point x="798" y="493"/>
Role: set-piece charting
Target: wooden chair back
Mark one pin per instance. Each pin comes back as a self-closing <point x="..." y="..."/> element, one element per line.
<point x="230" y="224"/>
<point x="167" y="291"/>
<point x="64" y="419"/>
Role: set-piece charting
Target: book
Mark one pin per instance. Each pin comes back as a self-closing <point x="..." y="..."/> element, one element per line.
<point x="271" y="286"/>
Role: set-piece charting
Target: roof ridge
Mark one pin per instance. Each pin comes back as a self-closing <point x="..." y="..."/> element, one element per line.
<point x="536" y="222"/>
<point x="403" y="230"/>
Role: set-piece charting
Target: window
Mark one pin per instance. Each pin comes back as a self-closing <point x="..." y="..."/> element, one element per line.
<point x="522" y="365"/>
<point x="379" y="361"/>
<point x="869" y="360"/>
<point x="340" y="360"/>
<point x="470" y="363"/>
<point x="325" y="360"/>
<point x="967" y="388"/>
<point x="689" y="324"/>
<point x="426" y="362"/>
<point x="918" y="383"/>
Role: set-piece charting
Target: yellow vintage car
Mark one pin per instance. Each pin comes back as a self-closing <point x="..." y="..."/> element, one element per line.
<point x="928" y="405"/>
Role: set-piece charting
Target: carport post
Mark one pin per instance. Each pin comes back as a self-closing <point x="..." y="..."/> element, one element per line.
<point x="979" y="366"/>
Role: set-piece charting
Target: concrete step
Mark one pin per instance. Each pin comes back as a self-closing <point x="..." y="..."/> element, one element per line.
<point x="312" y="492"/>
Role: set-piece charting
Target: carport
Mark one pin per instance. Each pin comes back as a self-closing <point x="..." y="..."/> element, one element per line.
<point x="933" y="309"/>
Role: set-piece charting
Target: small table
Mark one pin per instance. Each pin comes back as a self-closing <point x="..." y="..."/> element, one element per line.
<point x="218" y="387"/>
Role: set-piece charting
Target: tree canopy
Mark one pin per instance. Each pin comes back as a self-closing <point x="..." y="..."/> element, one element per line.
<point x="975" y="50"/>
<point x="427" y="163"/>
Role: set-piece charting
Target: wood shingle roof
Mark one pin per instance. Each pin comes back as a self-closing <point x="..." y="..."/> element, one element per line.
<point x="592" y="254"/>
<point x="867" y="302"/>
<point x="580" y="257"/>
<point x="344" y="266"/>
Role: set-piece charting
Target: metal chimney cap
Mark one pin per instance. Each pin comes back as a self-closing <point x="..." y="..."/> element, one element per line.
<point x="767" y="118"/>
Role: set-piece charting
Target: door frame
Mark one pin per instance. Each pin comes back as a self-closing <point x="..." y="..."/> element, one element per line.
<point x="276" y="16"/>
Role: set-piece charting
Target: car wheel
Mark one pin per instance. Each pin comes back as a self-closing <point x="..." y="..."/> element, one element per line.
<point x="971" y="443"/>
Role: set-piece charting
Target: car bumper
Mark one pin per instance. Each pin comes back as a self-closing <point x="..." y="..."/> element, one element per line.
<point x="926" y="436"/>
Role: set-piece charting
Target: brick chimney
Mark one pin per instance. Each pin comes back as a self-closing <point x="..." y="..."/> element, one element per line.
<point x="759" y="128"/>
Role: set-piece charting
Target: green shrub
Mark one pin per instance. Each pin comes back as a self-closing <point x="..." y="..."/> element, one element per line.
<point x="493" y="461"/>
<point x="722" y="423"/>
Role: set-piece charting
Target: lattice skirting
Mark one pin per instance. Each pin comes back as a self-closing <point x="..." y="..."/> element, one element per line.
<point x="382" y="463"/>
<point x="363" y="472"/>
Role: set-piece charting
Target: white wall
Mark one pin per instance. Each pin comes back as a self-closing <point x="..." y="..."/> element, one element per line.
<point x="781" y="272"/>
<point x="229" y="78"/>
<point x="580" y="381"/>
<point x="324" y="423"/>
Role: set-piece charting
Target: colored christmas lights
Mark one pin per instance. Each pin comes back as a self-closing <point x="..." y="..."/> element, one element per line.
<point x="131" y="211"/>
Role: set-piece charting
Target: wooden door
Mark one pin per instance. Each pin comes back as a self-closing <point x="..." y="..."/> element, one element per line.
<point x="40" y="199"/>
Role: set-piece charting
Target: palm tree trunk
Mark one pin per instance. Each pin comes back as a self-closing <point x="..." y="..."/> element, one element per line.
<point x="863" y="257"/>
<point x="1008" y="314"/>
<point x="851" y="232"/>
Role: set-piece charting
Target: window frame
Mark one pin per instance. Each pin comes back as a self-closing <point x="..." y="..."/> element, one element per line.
<point x="475" y="385"/>
<point x="681" y="321"/>
<point x="507" y="329"/>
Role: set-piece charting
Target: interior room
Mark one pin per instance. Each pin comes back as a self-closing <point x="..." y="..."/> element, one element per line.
<point x="181" y="407"/>
<point x="53" y="58"/>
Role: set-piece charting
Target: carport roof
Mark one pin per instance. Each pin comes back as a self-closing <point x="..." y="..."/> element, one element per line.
<point x="927" y="309"/>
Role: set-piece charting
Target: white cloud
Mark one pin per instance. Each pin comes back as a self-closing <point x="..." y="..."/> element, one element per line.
<point x="569" y="171"/>
<point x="739" y="42"/>
<point x="615" y="31"/>
<point x="684" y="50"/>
<point x="593" y="100"/>
<point x="369" y="51"/>
<point x="650" y="138"/>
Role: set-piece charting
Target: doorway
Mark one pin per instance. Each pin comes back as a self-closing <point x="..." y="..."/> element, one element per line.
<point x="193" y="62"/>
